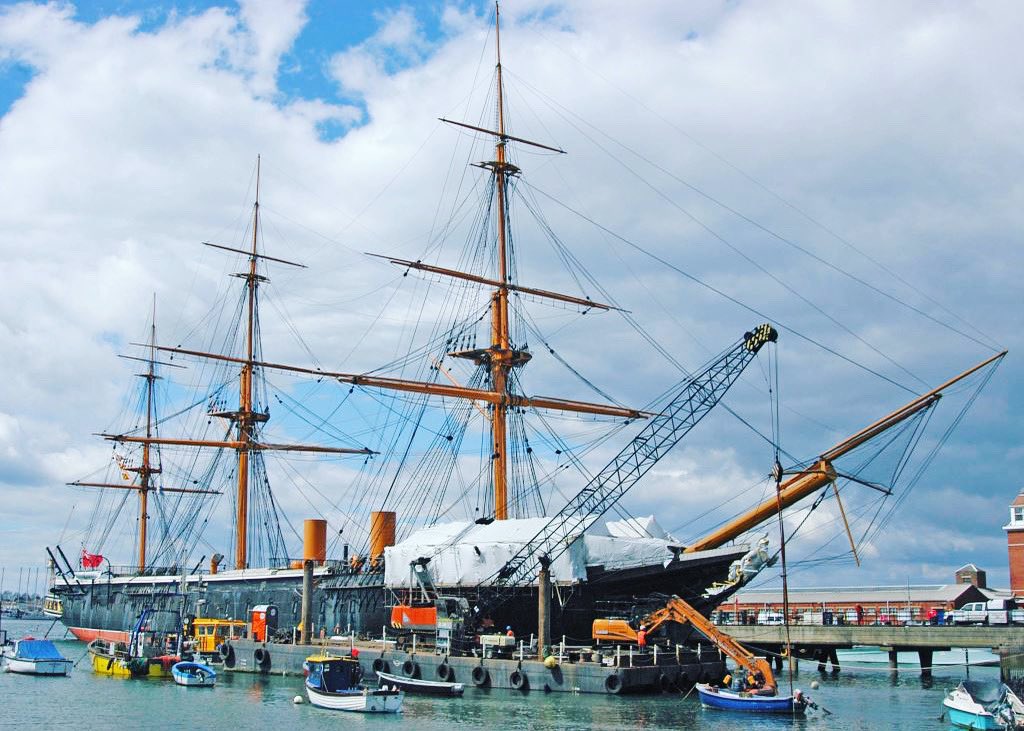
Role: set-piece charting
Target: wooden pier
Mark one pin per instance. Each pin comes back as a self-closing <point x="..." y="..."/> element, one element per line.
<point x="819" y="642"/>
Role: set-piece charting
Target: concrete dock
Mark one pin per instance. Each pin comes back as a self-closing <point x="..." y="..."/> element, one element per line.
<point x="579" y="672"/>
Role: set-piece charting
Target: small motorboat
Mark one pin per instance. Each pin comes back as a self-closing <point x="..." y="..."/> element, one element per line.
<point x="984" y="706"/>
<point x="194" y="674"/>
<point x="751" y="701"/>
<point x="35" y="657"/>
<point x="334" y="682"/>
<point x="416" y="685"/>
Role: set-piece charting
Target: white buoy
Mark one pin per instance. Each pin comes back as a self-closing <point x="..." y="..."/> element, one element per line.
<point x="297" y="700"/>
<point x="814" y="685"/>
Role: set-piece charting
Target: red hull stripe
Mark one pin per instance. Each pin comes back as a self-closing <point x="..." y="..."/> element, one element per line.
<point x="85" y="634"/>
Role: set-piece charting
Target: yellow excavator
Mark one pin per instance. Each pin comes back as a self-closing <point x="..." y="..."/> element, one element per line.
<point x="677" y="610"/>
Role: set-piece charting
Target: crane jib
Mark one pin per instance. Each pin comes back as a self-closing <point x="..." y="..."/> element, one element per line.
<point x="698" y="394"/>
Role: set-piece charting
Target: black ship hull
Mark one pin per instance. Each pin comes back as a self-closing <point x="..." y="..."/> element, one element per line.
<point x="346" y="601"/>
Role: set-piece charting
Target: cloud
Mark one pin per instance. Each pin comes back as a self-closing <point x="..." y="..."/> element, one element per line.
<point x="892" y="126"/>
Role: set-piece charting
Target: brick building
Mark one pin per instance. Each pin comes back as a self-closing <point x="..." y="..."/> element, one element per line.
<point x="971" y="574"/>
<point x="882" y="604"/>
<point x="1015" y="544"/>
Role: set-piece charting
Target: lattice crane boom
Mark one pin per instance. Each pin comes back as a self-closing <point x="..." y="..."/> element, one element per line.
<point x="698" y="395"/>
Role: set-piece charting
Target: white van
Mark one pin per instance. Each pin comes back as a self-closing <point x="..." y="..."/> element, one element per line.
<point x="767" y="616"/>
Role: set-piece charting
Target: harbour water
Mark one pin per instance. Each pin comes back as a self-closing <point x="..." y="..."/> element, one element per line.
<point x="859" y="698"/>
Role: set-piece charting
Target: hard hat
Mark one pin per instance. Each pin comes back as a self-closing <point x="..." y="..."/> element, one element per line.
<point x="509" y="627"/>
<point x="643" y="626"/>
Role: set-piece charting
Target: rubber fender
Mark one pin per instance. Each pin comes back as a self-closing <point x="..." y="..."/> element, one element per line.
<point x="518" y="680"/>
<point x="380" y="665"/>
<point x="410" y="669"/>
<point x="262" y="658"/>
<point x="445" y="672"/>
<point x="229" y="656"/>
<point x="666" y="682"/>
<point x="613" y="684"/>
<point x="480" y="676"/>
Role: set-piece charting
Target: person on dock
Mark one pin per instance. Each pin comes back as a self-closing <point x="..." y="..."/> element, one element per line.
<point x="641" y="637"/>
<point x="509" y="632"/>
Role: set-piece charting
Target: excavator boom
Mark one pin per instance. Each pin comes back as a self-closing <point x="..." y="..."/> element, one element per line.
<point x="677" y="610"/>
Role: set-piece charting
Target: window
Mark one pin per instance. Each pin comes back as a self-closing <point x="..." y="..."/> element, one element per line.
<point x="1018" y="514"/>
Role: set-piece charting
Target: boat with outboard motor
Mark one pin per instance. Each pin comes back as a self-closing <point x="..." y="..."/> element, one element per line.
<point x="750" y="701"/>
<point x="984" y="706"/>
<point x="30" y="656"/>
<point x="194" y="674"/>
<point x="335" y="683"/>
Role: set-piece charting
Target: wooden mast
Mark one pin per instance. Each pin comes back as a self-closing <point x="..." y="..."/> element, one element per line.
<point x="501" y="358"/>
<point x="145" y="470"/>
<point x="245" y="420"/>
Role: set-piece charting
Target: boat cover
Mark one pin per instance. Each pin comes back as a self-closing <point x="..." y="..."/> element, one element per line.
<point x="37" y="650"/>
<point x="467" y="554"/>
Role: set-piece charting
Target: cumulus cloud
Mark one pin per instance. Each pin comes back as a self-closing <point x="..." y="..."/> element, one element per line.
<point x="892" y="125"/>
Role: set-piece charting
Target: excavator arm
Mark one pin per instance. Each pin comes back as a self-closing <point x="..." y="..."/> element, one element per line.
<point x="682" y="612"/>
<point x="677" y="610"/>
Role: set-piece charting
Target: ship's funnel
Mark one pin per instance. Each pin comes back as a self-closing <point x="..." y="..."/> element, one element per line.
<point x="314" y="540"/>
<point x="215" y="562"/>
<point x="382" y="532"/>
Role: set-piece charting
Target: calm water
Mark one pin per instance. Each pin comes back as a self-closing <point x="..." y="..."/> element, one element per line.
<point x="859" y="698"/>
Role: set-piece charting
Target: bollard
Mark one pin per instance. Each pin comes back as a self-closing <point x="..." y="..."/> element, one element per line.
<point x="655" y="654"/>
<point x="631" y="656"/>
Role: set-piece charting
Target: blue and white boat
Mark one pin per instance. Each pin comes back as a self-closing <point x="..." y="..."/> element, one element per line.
<point x="194" y="674"/>
<point x="984" y="708"/>
<point x="751" y="702"/>
<point x="35" y="657"/>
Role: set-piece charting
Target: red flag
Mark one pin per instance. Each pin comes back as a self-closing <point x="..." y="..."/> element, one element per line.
<point x="91" y="560"/>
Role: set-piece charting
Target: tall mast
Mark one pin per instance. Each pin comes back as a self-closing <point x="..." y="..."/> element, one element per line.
<point x="145" y="470"/>
<point x="501" y="358"/>
<point x="245" y="413"/>
<point x="245" y="419"/>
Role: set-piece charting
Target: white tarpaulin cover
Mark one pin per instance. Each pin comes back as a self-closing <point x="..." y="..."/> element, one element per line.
<point x="467" y="554"/>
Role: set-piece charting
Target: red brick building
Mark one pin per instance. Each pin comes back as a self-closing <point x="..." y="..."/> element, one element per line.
<point x="838" y="604"/>
<point x="1015" y="544"/>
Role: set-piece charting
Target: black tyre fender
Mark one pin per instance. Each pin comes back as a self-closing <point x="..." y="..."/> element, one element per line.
<point x="445" y="672"/>
<point x="613" y="684"/>
<point x="262" y="658"/>
<point x="480" y="676"/>
<point x="666" y="682"/>
<point x="380" y="665"/>
<point x="518" y="680"/>
<point x="410" y="669"/>
<point x="228" y="653"/>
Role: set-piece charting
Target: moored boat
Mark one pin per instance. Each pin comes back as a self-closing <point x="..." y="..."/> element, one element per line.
<point x="35" y="657"/>
<point x="749" y="702"/>
<point x="418" y="685"/>
<point x="981" y="708"/>
<point x="334" y="683"/>
<point x="194" y="674"/>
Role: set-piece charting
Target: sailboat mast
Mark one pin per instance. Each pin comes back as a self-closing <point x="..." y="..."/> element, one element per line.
<point x="144" y="470"/>
<point x="245" y="396"/>
<point x="501" y="358"/>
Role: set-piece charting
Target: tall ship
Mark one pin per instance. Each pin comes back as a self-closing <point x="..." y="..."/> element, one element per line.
<point x="414" y="512"/>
